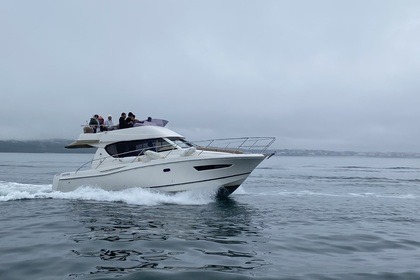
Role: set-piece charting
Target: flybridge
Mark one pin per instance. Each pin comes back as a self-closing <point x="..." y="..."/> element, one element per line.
<point x="100" y="139"/>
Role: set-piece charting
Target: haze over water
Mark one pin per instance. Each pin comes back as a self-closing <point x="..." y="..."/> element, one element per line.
<point x="294" y="218"/>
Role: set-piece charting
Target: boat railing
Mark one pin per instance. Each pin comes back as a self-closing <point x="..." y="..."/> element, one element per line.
<point x="236" y="145"/>
<point x="230" y="145"/>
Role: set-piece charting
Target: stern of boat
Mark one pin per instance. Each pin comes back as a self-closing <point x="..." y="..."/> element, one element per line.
<point x="55" y="182"/>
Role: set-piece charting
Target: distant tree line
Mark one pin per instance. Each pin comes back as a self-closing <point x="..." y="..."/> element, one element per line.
<point x="39" y="146"/>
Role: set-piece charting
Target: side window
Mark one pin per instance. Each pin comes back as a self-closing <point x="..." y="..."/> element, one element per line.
<point x="137" y="147"/>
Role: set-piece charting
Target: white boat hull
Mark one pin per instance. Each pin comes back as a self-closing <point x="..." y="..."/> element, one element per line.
<point x="219" y="174"/>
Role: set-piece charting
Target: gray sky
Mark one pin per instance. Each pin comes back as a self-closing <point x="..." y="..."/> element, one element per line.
<point x="337" y="75"/>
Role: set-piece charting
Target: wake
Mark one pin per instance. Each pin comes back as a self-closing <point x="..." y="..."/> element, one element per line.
<point x="10" y="191"/>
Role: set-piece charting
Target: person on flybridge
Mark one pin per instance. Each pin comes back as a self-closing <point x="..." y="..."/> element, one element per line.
<point x="109" y="124"/>
<point x="94" y="123"/>
<point x="124" y="121"/>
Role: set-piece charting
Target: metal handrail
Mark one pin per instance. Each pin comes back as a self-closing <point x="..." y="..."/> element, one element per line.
<point x="259" y="144"/>
<point x="139" y="152"/>
<point x="243" y="144"/>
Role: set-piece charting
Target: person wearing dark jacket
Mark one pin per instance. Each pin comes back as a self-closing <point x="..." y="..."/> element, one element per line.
<point x="94" y="123"/>
<point x="121" y="122"/>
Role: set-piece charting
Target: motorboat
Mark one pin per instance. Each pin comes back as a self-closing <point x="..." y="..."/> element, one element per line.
<point x="157" y="158"/>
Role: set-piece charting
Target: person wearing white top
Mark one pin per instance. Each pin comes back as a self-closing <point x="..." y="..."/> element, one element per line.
<point x="109" y="124"/>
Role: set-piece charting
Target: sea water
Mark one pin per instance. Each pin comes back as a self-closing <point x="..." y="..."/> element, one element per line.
<point x="294" y="218"/>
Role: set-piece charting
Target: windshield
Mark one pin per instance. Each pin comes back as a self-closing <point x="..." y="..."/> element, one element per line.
<point x="181" y="142"/>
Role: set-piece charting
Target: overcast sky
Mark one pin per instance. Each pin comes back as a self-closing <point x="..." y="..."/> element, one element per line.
<point x="335" y="75"/>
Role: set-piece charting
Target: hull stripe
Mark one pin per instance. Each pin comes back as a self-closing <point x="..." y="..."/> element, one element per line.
<point x="200" y="181"/>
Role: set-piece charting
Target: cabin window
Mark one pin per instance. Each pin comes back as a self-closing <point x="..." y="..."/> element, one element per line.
<point x="137" y="147"/>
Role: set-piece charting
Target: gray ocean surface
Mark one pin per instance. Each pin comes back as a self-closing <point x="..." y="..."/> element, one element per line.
<point x="294" y="218"/>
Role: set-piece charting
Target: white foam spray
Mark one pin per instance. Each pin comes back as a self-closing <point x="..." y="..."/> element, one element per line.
<point x="138" y="196"/>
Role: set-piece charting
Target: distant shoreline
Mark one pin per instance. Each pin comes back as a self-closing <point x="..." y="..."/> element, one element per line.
<point x="58" y="146"/>
<point x="325" y="153"/>
<point x="40" y="146"/>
